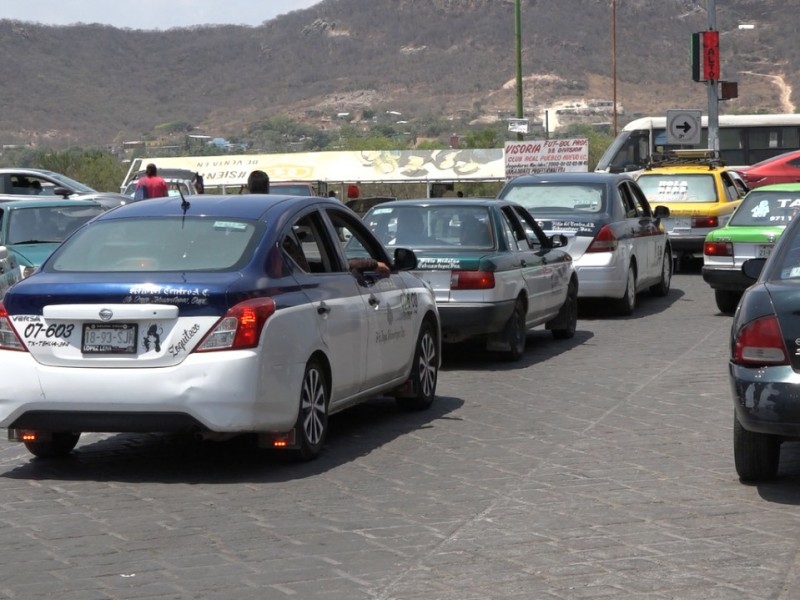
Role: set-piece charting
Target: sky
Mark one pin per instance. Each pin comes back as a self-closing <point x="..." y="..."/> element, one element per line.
<point x="149" y="14"/>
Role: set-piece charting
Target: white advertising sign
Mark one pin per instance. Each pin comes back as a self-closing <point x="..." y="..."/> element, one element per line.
<point x="546" y="156"/>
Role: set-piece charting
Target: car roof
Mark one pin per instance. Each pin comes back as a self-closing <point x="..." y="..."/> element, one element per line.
<point x="446" y="202"/>
<point x="687" y="168"/>
<point x="244" y="206"/>
<point x="7" y="203"/>
<point x="778" y="187"/>
<point x="579" y="177"/>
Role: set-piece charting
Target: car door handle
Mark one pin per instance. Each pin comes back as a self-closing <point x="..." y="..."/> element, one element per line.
<point x="323" y="309"/>
<point x="374" y="301"/>
<point x="523" y="263"/>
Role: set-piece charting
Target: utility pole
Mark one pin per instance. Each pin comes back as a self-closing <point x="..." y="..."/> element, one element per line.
<point x="518" y="36"/>
<point x="614" y="58"/>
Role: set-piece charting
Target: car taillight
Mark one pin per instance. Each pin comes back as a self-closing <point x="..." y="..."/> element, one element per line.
<point x="760" y="343"/>
<point x="9" y="340"/>
<point x="471" y="280"/>
<point x="718" y="249"/>
<point x="705" y="222"/>
<point x="240" y="327"/>
<point x="604" y="241"/>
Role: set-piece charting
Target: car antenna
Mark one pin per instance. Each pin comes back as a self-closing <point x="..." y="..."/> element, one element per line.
<point x="184" y="202"/>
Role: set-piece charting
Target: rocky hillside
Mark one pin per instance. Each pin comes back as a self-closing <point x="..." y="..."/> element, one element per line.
<point x="93" y="84"/>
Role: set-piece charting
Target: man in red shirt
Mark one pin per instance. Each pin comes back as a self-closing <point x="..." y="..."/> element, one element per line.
<point x="151" y="185"/>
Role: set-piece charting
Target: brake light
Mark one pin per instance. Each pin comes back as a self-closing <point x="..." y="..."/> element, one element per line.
<point x="718" y="249"/>
<point x="240" y="327"/>
<point x="760" y="343"/>
<point x="705" y="222"/>
<point x="471" y="280"/>
<point x="604" y="241"/>
<point x="9" y="340"/>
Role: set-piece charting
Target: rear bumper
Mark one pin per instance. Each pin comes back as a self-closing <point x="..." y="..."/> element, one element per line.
<point x="726" y="278"/>
<point x="466" y="320"/>
<point x="767" y="400"/>
<point x="608" y="281"/>
<point x="216" y="391"/>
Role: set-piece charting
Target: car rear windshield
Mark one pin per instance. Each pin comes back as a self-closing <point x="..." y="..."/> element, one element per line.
<point x="678" y="188"/>
<point x="767" y="208"/>
<point x="446" y="226"/>
<point x="559" y="197"/>
<point x="157" y="244"/>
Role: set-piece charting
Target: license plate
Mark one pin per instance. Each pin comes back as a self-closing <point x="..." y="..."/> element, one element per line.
<point x="109" y="338"/>
<point x="763" y="251"/>
<point x="679" y="224"/>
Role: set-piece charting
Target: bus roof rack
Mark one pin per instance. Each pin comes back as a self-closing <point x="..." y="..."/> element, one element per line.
<point x="686" y="156"/>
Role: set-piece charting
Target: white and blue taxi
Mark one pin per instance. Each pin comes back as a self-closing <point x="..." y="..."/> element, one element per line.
<point x="216" y="315"/>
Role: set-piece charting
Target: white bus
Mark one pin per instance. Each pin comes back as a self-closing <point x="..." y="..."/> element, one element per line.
<point x="743" y="140"/>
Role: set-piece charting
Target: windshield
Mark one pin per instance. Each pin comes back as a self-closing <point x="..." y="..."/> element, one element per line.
<point x="46" y="223"/>
<point x="559" y="197"/>
<point x="665" y="187"/>
<point x="432" y="226"/>
<point x="767" y="208"/>
<point x="157" y="244"/>
<point x="71" y="183"/>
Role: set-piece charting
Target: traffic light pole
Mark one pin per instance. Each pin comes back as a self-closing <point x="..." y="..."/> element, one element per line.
<point x="711" y="84"/>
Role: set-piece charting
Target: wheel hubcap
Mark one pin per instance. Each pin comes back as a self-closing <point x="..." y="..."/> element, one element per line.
<point x="427" y="365"/>
<point x="312" y="404"/>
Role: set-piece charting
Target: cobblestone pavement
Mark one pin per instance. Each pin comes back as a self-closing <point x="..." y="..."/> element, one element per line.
<point x="598" y="467"/>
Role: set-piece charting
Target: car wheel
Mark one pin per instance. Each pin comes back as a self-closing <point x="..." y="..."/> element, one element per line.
<point x="567" y="318"/>
<point x="627" y="303"/>
<point x="756" y="455"/>
<point x="662" y="287"/>
<point x="59" y="445"/>
<point x="516" y="333"/>
<point x="727" y="300"/>
<point x="312" y="418"/>
<point x="424" y="371"/>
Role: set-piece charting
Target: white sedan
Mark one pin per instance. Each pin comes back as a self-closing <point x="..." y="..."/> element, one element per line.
<point x="217" y="315"/>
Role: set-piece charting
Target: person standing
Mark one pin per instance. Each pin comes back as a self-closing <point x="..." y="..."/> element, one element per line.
<point x="258" y="183"/>
<point x="152" y="185"/>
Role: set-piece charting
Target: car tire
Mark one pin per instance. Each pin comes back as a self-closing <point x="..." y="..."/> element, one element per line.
<point x="567" y="317"/>
<point x="727" y="300"/>
<point x="661" y="289"/>
<point x="756" y="455"/>
<point x="60" y="445"/>
<point x="312" y="417"/>
<point x="424" y="371"/>
<point x="627" y="304"/>
<point x="516" y="333"/>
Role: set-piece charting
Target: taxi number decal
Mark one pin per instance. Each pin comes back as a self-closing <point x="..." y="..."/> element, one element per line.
<point x="35" y="330"/>
<point x="409" y="302"/>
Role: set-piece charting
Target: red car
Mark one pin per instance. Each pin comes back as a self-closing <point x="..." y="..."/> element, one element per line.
<point x="784" y="168"/>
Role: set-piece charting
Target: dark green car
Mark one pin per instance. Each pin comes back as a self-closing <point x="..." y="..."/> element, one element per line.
<point x="751" y="232"/>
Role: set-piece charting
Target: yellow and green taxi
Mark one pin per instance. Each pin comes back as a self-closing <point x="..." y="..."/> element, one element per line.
<point x="751" y="232"/>
<point x="701" y="196"/>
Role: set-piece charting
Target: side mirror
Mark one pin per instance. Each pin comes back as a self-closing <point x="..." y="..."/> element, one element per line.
<point x="559" y="240"/>
<point x="752" y="268"/>
<point x="661" y="212"/>
<point x="62" y="191"/>
<point x="405" y="259"/>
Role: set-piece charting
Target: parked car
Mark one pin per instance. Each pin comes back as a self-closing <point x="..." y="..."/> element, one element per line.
<point x="217" y="315"/>
<point x="32" y="229"/>
<point x="751" y="232"/>
<point x="298" y="188"/>
<point x="32" y="183"/>
<point x="765" y="359"/>
<point x="701" y="195"/>
<point x="616" y="240"/>
<point x="495" y="273"/>
<point x="179" y="181"/>
<point x="783" y="168"/>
